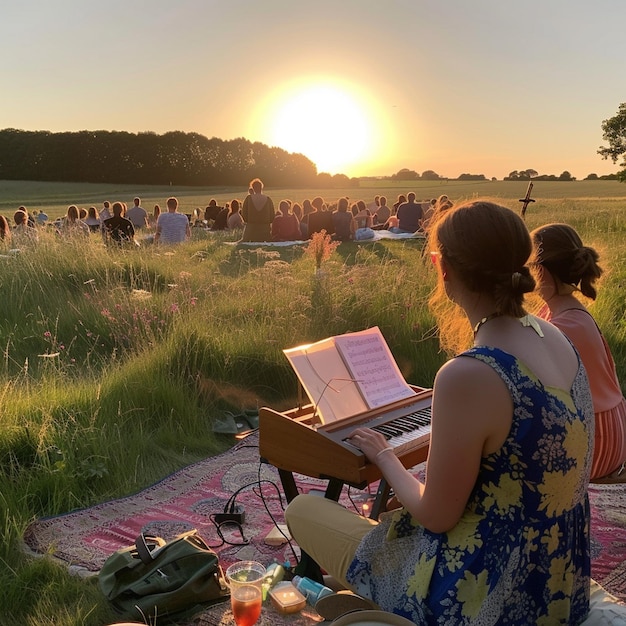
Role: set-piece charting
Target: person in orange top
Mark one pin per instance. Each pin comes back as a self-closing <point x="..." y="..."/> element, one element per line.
<point x="566" y="266"/>
<point x="285" y="226"/>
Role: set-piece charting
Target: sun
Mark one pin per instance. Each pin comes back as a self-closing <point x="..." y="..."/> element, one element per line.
<point x="331" y="123"/>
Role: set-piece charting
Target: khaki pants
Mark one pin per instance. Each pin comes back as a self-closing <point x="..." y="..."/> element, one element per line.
<point x="327" y="532"/>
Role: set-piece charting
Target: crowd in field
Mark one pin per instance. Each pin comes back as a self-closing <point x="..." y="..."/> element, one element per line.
<point x="256" y="218"/>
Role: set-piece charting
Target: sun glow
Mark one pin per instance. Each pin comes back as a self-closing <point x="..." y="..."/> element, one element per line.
<point x="330" y="123"/>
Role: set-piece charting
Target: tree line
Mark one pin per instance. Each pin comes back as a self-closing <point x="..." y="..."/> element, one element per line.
<point x="175" y="158"/>
<point x="191" y="159"/>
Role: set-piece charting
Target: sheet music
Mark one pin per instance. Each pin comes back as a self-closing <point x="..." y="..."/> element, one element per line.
<point x="371" y="363"/>
<point x="326" y="380"/>
<point x="349" y="374"/>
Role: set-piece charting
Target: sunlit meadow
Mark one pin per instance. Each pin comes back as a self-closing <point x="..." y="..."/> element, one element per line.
<point x="116" y="362"/>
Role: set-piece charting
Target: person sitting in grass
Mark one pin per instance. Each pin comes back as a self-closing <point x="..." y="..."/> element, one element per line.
<point x="498" y="530"/>
<point x="567" y="267"/>
<point x="172" y="227"/>
<point x="93" y="220"/>
<point x="383" y="213"/>
<point x="23" y="233"/>
<point x="5" y="233"/>
<point x="285" y="225"/>
<point x="320" y="218"/>
<point x="221" y="219"/>
<point x="71" y="225"/>
<point x="363" y="222"/>
<point x="118" y="230"/>
<point x="235" y="219"/>
<point x="343" y="221"/>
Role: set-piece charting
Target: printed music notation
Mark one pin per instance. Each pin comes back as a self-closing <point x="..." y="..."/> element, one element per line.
<point x="348" y="374"/>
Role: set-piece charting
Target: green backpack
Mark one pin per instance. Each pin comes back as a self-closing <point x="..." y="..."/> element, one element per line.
<point x="155" y="579"/>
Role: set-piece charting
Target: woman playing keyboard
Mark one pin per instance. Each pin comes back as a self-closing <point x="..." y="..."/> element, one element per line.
<point x="497" y="533"/>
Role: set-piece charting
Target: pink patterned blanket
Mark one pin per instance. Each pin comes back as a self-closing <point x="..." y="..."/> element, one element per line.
<point x="83" y="539"/>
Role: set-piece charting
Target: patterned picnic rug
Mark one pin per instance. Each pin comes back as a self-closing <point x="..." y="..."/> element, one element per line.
<point x="83" y="539"/>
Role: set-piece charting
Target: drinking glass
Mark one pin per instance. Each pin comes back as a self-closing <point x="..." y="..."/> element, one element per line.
<point x="245" y="580"/>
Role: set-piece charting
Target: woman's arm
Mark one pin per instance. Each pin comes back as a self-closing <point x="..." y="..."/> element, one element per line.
<point x="471" y="417"/>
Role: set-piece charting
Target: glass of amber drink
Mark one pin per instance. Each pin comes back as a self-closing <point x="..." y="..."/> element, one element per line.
<point x="245" y="580"/>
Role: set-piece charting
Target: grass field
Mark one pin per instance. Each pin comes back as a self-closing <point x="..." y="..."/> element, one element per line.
<point x="55" y="197"/>
<point x="115" y="363"/>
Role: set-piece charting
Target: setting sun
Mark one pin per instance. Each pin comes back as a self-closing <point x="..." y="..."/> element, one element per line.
<point x="330" y="123"/>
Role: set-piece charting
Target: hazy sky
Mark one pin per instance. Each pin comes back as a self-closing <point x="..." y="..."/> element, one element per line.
<point x="360" y="86"/>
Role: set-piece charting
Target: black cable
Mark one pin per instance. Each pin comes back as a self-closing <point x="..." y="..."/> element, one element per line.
<point x="288" y="539"/>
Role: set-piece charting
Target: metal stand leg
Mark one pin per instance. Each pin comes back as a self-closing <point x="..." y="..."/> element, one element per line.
<point x="380" y="502"/>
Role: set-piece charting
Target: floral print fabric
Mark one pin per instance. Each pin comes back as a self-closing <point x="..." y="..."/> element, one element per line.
<point x="520" y="553"/>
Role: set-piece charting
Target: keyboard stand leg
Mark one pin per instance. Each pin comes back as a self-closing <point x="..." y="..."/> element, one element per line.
<point x="333" y="489"/>
<point x="289" y="484"/>
<point x="380" y="502"/>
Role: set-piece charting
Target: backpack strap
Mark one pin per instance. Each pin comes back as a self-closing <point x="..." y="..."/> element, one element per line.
<point x="145" y="544"/>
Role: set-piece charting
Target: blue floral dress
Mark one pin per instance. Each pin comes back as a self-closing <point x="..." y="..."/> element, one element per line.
<point x="520" y="552"/>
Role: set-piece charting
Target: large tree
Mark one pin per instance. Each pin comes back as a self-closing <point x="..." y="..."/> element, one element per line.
<point x="614" y="131"/>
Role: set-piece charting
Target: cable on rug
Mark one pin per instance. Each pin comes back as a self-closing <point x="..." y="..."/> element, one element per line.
<point x="276" y="525"/>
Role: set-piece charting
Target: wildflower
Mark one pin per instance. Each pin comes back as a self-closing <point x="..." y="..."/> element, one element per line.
<point x="47" y="334"/>
<point x="174" y="308"/>
<point x="321" y="247"/>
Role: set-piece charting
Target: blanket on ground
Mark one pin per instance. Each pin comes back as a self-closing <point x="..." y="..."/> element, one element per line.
<point x="378" y="235"/>
<point x="83" y="539"/>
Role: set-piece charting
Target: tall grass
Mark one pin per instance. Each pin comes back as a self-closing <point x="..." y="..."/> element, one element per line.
<point x="116" y="362"/>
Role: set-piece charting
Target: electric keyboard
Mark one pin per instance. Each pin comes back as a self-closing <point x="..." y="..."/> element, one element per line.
<point x="296" y="441"/>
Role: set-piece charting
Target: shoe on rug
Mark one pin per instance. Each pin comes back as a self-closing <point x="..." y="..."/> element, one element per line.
<point x="252" y="417"/>
<point x="335" y="605"/>
<point x="229" y="424"/>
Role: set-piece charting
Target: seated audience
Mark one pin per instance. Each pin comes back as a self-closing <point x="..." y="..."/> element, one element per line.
<point x="567" y="267"/>
<point x="497" y="532"/>
<point x="155" y="216"/>
<point x="343" y="222"/>
<point x="5" y="233"/>
<point x="320" y="219"/>
<point x="410" y="214"/>
<point x="221" y="219"/>
<point x="296" y="209"/>
<point x="172" y="227"/>
<point x="401" y="199"/>
<point x="383" y="213"/>
<point x="307" y="209"/>
<point x="93" y="220"/>
<point x="105" y="213"/>
<point x="24" y="225"/>
<point x="212" y="211"/>
<point x="72" y="225"/>
<point x="41" y="218"/>
<point x="373" y="206"/>
<point x="363" y="222"/>
<point x="137" y="215"/>
<point x="285" y="226"/>
<point x="117" y="229"/>
<point x="235" y="219"/>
